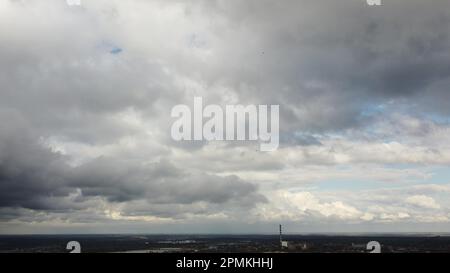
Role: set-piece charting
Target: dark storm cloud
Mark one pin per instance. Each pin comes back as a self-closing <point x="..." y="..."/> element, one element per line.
<point x="120" y="181"/>
<point x="36" y="178"/>
<point x="28" y="173"/>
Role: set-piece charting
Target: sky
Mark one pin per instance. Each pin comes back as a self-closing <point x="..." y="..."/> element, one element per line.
<point x="86" y="94"/>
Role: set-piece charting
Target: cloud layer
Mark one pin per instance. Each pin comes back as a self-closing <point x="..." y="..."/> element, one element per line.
<point x="86" y="94"/>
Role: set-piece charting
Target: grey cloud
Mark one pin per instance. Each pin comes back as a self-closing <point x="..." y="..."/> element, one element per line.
<point x="28" y="172"/>
<point x="34" y="177"/>
<point x="330" y="69"/>
<point x="120" y="181"/>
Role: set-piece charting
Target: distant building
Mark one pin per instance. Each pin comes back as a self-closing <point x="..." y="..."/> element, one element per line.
<point x="283" y="244"/>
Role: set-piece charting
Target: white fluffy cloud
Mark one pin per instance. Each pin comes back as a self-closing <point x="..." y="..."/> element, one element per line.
<point x="422" y="201"/>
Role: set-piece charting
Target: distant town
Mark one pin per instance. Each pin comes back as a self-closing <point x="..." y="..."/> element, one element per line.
<point x="225" y="243"/>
